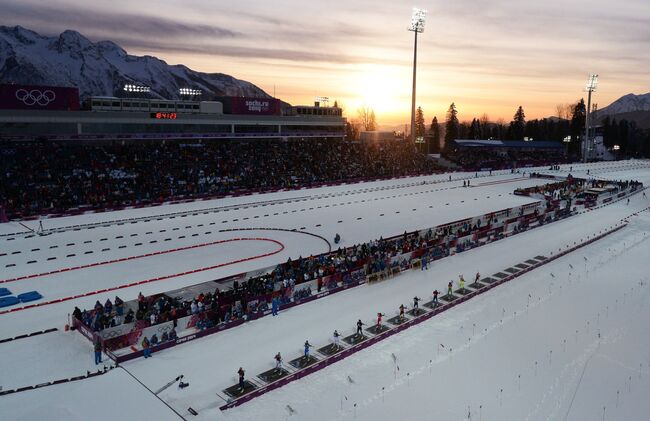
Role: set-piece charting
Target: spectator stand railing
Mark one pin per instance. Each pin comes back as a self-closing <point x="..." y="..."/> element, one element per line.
<point x="456" y="237"/>
<point x="118" y="340"/>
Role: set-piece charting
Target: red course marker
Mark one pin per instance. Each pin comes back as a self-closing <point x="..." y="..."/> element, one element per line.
<point x="161" y="278"/>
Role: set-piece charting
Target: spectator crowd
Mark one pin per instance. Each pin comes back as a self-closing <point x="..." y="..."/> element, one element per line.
<point x="292" y="281"/>
<point x="56" y="177"/>
<point x="473" y="159"/>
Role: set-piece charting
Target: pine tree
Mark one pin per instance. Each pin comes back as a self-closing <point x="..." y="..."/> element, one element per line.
<point x="434" y="136"/>
<point x="608" y="133"/>
<point x="420" y="128"/>
<point x="624" y="135"/>
<point x="577" y="127"/>
<point x="484" y="120"/>
<point x="420" y="131"/>
<point x="475" y="129"/>
<point x="451" y="125"/>
<point x="518" y="124"/>
<point x="463" y="130"/>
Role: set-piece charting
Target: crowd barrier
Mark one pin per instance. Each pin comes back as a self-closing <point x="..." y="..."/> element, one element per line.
<point x="128" y="335"/>
<point x="160" y="278"/>
<point x="327" y="361"/>
<point x="525" y="217"/>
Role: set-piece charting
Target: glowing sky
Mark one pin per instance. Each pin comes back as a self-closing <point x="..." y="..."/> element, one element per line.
<point x="486" y="56"/>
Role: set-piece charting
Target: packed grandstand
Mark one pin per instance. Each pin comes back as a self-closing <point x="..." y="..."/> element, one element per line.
<point x="133" y="157"/>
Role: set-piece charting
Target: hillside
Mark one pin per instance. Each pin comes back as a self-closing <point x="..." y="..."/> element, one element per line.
<point x="102" y="68"/>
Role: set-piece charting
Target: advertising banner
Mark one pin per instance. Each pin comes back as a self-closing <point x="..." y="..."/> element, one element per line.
<point x="250" y="106"/>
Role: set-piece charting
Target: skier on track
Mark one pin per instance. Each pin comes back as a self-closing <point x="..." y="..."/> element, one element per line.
<point x="401" y="312"/>
<point x="359" y="324"/>
<point x="462" y="283"/>
<point x="450" y="287"/>
<point x="241" y="378"/>
<point x="478" y="275"/>
<point x="379" y="316"/>
<point x="435" y="296"/>
<point x="337" y="340"/>
<point x="278" y="361"/>
<point x="416" y="300"/>
<point x="307" y="346"/>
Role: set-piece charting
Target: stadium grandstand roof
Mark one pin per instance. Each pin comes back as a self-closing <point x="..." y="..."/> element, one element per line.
<point x="520" y="144"/>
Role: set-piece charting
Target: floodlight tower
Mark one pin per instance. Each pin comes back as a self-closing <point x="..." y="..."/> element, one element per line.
<point x="592" y="82"/>
<point x="131" y="88"/>
<point x="189" y="92"/>
<point x="417" y="26"/>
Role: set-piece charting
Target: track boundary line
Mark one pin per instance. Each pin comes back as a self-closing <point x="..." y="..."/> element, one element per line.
<point x="120" y="260"/>
<point x="160" y="278"/>
<point x="29" y="335"/>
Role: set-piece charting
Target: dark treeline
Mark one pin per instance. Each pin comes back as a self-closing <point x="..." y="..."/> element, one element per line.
<point x="633" y="141"/>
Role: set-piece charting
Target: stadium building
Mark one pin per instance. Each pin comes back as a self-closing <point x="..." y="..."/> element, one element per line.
<point x="56" y="113"/>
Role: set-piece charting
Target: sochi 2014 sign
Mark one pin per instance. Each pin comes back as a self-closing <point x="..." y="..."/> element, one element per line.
<point x="251" y="106"/>
<point x="31" y="97"/>
<point x="257" y="106"/>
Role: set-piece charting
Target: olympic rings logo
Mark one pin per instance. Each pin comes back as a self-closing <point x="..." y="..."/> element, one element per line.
<point x="110" y="334"/>
<point x="35" y="96"/>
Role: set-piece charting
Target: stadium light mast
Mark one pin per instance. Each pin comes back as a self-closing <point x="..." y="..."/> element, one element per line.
<point x="418" y="19"/>
<point x="189" y="92"/>
<point x="131" y="88"/>
<point x="592" y="82"/>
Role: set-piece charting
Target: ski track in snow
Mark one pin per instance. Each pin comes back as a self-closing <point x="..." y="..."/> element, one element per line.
<point x="437" y="385"/>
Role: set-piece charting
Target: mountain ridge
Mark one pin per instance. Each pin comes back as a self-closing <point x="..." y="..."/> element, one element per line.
<point x="103" y="68"/>
<point x="626" y="104"/>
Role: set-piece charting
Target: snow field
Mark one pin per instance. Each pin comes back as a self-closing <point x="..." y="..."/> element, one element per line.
<point x="210" y="364"/>
<point x="392" y="212"/>
<point x="536" y="356"/>
<point x="259" y="340"/>
<point x="44" y="358"/>
<point x="81" y="400"/>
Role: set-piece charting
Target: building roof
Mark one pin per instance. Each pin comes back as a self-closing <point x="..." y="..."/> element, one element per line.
<point x="536" y="144"/>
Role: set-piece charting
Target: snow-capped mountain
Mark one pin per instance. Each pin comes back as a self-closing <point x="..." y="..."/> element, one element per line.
<point x="102" y="68"/>
<point x="627" y="103"/>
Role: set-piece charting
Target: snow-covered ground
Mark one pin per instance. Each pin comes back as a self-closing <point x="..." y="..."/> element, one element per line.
<point x="360" y="212"/>
<point x="116" y="395"/>
<point x="486" y="347"/>
<point x="536" y="338"/>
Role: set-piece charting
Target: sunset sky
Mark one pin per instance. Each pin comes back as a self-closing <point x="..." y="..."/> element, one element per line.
<point x="486" y="56"/>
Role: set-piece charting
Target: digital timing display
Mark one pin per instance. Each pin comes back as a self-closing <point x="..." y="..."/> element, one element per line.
<point x="164" y="116"/>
